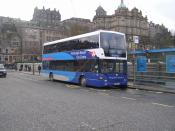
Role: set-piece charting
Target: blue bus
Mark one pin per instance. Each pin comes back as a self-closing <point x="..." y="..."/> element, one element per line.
<point x="97" y="59"/>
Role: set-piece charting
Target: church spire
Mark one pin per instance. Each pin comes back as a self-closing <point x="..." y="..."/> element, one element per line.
<point x="122" y="5"/>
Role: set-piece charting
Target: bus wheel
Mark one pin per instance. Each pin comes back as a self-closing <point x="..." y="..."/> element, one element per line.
<point x="83" y="82"/>
<point x="51" y="77"/>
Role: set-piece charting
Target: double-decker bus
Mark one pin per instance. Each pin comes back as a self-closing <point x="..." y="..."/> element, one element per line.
<point x="95" y="59"/>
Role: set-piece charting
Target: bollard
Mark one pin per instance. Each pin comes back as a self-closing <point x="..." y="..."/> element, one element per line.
<point x="33" y="69"/>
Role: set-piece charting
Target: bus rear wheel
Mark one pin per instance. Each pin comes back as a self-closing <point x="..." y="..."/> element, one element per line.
<point x="82" y="82"/>
<point x="51" y="77"/>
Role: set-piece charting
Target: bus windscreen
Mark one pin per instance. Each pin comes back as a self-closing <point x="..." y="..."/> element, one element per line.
<point x="114" y="45"/>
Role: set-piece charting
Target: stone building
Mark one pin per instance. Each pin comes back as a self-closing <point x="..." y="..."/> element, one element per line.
<point x="132" y="23"/>
<point x="21" y="41"/>
<point x="46" y="17"/>
<point x="33" y="37"/>
<point x="9" y="41"/>
<point x="76" y="26"/>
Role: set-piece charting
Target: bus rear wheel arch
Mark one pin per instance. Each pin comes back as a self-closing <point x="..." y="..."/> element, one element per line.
<point x="82" y="81"/>
<point x="51" y="76"/>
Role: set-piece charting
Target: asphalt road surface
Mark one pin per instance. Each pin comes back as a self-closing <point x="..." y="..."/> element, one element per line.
<point x="32" y="103"/>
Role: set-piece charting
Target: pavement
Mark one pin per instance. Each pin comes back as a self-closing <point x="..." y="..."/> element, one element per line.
<point x="152" y="87"/>
<point x="140" y="86"/>
<point x="25" y="72"/>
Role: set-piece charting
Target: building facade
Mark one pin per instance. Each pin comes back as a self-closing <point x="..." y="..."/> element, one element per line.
<point x="9" y="41"/>
<point x="76" y="26"/>
<point x="33" y="37"/>
<point x="132" y="23"/>
<point x="46" y="17"/>
<point x="21" y="41"/>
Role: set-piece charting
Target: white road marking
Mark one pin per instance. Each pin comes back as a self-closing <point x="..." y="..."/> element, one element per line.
<point x="105" y="94"/>
<point x="162" y="105"/>
<point x="103" y="90"/>
<point x="159" y="92"/>
<point x="128" y="98"/>
<point x="92" y="89"/>
<point x="83" y="124"/>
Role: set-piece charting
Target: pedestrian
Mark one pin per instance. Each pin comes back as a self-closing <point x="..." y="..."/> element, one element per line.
<point x="21" y="67"/>
<point x="29" y="68"/>
<point x="26" y="67"/>
<point x="39" y="69"/>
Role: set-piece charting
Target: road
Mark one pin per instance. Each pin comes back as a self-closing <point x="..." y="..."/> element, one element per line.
<point x="32" y="103"/>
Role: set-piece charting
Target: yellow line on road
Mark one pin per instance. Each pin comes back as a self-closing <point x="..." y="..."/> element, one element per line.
<point x="72" y="86"/>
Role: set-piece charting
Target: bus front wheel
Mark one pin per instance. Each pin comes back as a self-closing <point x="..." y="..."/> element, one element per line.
<point x="51" y="77"/>
<point x="83" y="82"/>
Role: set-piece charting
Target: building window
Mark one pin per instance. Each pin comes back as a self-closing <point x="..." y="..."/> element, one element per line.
<point x="6" y="51"/>
<point x="6" y="58"/>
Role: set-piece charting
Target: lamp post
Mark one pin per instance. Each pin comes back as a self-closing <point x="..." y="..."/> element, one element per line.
<point x="132" y="47"/>
<point x="21" y="48"/>
<point x="33" y="66"/>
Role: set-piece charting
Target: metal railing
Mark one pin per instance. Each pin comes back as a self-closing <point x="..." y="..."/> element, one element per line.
<point x="155" y="73"/>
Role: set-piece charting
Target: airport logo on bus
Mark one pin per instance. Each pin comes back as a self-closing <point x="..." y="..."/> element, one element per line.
<point x="93" y="54"/>
<point x="79" y="54"/>
<point x="47" y="58"/>
<point x="83" y="54"/>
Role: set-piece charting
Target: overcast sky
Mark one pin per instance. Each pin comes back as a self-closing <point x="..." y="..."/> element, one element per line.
<point x="158" y="11"/>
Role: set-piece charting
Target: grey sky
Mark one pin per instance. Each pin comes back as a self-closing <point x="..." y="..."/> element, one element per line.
<point x="158" y="11"/>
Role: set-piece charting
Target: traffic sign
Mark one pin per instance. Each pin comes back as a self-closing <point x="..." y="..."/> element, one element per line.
<point x="136" y="39"/>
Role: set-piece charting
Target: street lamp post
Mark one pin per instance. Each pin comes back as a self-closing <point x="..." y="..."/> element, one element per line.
<point x="33" y="66"/>
<point x="21" y="49"/>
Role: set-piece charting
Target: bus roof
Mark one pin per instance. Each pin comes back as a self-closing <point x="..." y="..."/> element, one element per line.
<point x="81" y="36"/>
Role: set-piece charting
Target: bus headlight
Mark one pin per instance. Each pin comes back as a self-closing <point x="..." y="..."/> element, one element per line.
<point x="101" y="78"/>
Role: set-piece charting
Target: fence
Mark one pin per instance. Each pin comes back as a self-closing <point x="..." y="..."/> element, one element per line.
<point x="159" y="68"/>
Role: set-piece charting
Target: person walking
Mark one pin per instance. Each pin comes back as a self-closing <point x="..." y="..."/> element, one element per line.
<point x="39" y="69"/>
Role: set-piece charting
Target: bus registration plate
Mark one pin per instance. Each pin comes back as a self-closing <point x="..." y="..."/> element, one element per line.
<point x="116" y="84"/>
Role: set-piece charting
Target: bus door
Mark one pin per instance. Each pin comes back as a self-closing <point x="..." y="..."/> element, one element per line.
<point x="92" y="71"/>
